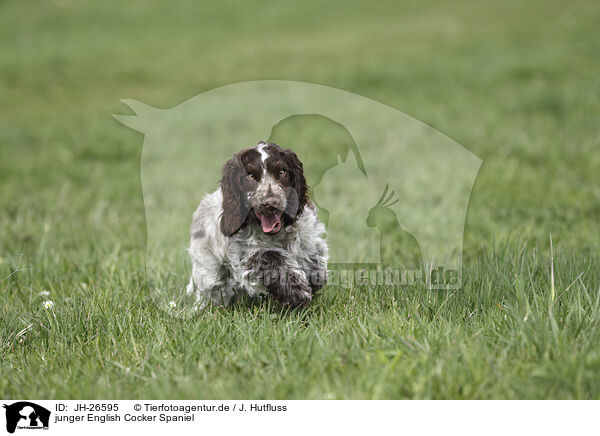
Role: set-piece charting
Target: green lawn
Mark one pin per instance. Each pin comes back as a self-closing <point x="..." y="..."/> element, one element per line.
<point x="517" y="83"/>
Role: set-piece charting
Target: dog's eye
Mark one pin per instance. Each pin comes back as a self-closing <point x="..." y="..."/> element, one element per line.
<point x="252" y="176"/>
<point x="282" y="173"/>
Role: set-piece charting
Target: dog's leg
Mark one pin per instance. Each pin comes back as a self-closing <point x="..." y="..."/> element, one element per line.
<point x="316" y="272"/>
<point x="209" y="283"/>
<point x="313" y="260"/>
<point x="280" y="275"/>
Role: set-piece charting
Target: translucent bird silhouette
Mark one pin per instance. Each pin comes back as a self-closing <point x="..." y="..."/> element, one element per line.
<point x="397" y="246"/>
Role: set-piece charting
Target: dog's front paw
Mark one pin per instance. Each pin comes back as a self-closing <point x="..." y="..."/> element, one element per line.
<point x="293" y="289"/>
<point x="297" y="298"/>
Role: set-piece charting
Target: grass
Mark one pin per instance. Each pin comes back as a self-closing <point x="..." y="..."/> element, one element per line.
<point x="516" y="83"/>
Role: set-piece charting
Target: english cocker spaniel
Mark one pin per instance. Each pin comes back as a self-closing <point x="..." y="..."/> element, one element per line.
<point x="259" y="233"/>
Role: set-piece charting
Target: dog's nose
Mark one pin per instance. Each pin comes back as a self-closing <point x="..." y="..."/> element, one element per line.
<point x="271" y="204"/>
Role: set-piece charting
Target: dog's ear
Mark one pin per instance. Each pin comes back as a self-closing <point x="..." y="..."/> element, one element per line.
<point x="299" y="181"/>
<point x="235" y="209"/>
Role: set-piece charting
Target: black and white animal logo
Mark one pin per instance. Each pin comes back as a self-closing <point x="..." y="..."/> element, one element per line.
<point x="26" y="415"/>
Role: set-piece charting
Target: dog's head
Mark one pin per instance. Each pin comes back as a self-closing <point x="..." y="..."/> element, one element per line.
<point x="263" y="184"/>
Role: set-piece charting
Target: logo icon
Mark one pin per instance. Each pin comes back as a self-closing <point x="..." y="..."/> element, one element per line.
<point x="26" y="415"/>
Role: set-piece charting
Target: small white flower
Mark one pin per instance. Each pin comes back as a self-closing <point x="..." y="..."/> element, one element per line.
<point x="172" y="304"/>
<point x="49" y="304"/>
<point x="44" y="293"/>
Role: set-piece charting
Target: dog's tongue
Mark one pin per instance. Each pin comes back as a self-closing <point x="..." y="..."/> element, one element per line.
<point x="270" y="223"/>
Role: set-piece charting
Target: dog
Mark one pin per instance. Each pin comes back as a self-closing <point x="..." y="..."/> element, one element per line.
<point x="259" y="233"/>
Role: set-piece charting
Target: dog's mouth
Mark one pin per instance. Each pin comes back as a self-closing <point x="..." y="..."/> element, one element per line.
<point x="270" y="223"/>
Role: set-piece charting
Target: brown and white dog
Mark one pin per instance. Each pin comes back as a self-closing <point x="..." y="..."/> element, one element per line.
<point x="259" y="233"/>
